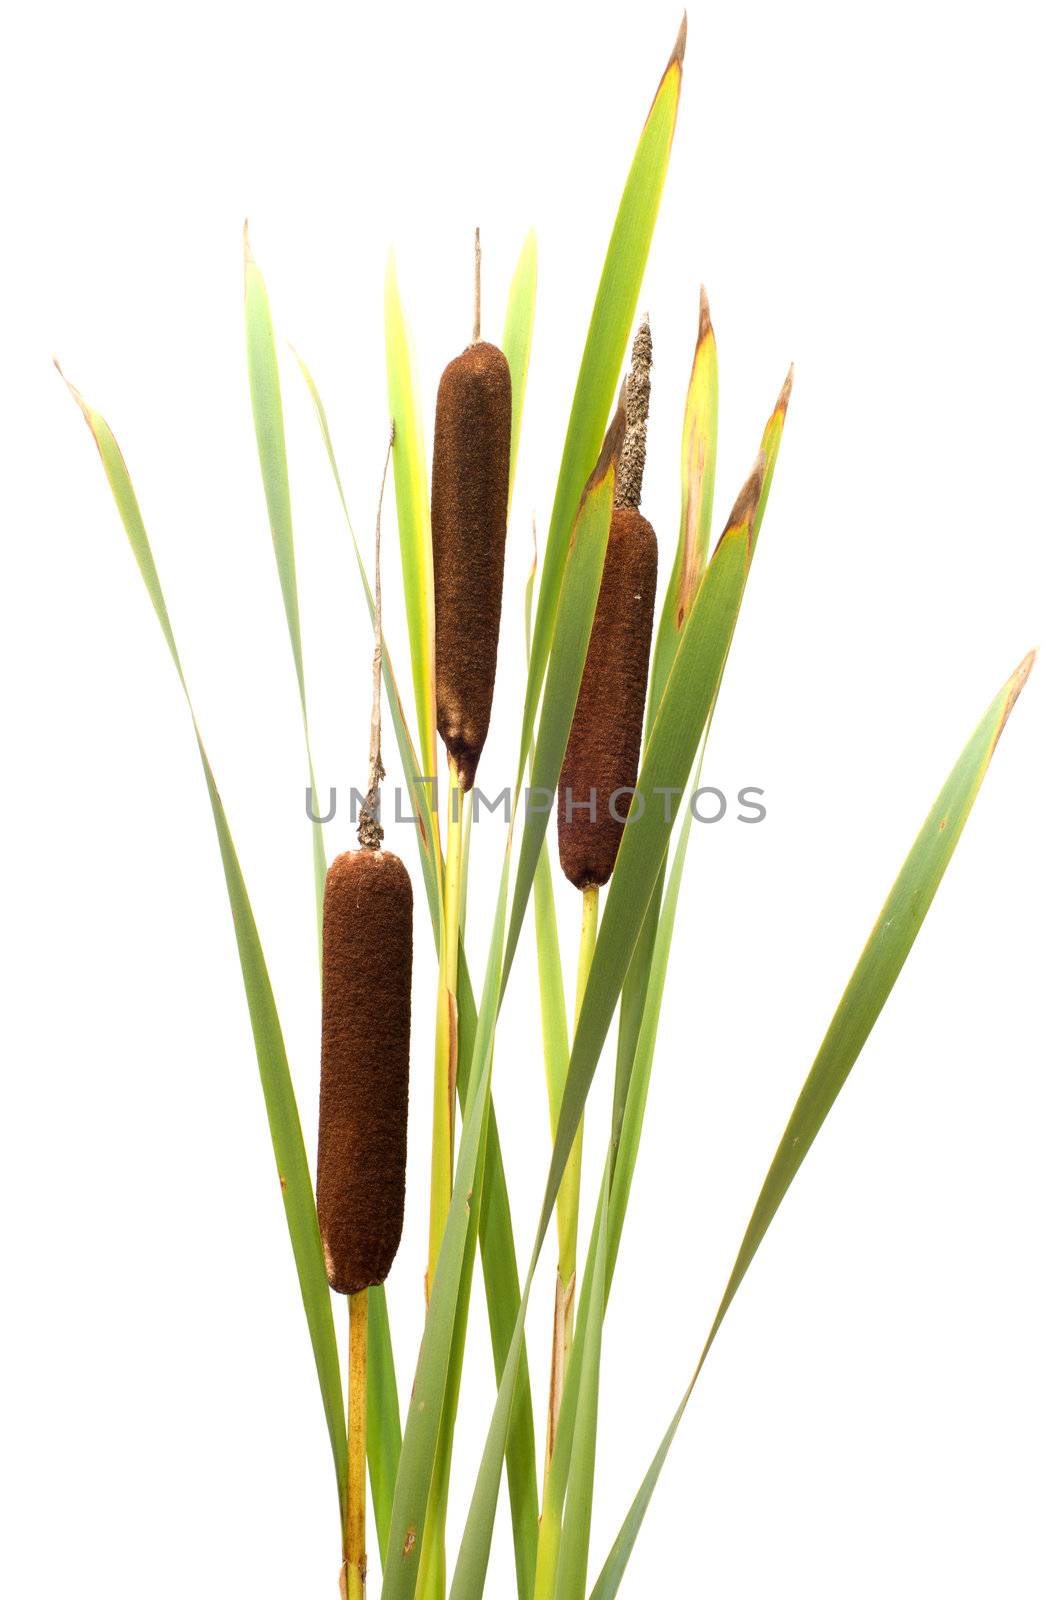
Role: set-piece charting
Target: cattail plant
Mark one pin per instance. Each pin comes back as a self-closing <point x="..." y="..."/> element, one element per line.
<point x="600" y="769"/>
<point x="365" y="1077"/>
<point x="588" y="728"/>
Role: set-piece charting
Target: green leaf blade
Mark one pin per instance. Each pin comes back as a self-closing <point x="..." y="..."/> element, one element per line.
<point x="411" y="503"/>
<point x="449" y="1286"/>
<point x="867" y="991"/>
<point x="603" y="354"/>
<point x="281" y="1109"/>
<point x="517" y="337"/>
<point x="879" y="967"/>
<point x="685" y="707"/>
<point x="697" y="483"/>
<point x="575" y="617"/>
<point x="576" y="1529"/>
<point x="268" y="412"/>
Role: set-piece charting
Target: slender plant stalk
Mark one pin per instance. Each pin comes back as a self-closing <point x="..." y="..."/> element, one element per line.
<point x="431" y="1575"/>
<point x="565" y="1288"/>
<point x="446" y="1029"/>
<point x="354" y="1559"/>
<point x="587" y="936"/>
<point x="568" y="1202"/>
<point x="370" y="834"/>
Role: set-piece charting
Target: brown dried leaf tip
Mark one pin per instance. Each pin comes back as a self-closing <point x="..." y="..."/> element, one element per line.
<point x="470" y="492"/>
<point x="365" y="1066"/>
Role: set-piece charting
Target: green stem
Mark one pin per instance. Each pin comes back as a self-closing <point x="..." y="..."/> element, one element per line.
<point x="431" y="1574"/>
<point x="354" y="1560"/>
<point x="446" y="1055"/>
<point x="568" y="1203"/>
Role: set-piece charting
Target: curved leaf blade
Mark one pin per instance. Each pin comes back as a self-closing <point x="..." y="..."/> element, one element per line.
<point x="411" y="503"/>
<point x="603" y="354"/>
<point x="517" y="337"/>
<point x="697" y="481"/>
<point x="576" y="1528"/>
<point x="699" y="436"/>
<point x="579" y="596"/>
<point x="686" y="705"/>
<point x="867" y="991"/>
<point x="423" y="1419"/>
<point x="268" y="411"/>
<point x="281" y="1109"/>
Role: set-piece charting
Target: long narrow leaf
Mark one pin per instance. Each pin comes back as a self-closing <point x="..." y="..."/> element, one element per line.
<point x="268" y="413"/>
<point x="868" y="989"/>
<point x="603" y="354"/>
<point x="696" y="472"/>
<point x="634" y="1106"/>
<point x="383" y="1429"/>
<point x="516" y="340"/>
<point x="281" y="1109"/>
<point x="697" y="476"/>
<point x="383" y="1436"/>
<point x="576" y="1531"/>
<point x="417" y="790"/>
<point x="547" y="944"/>
<point x="415" y="531"/>
<point x="421" y="1434"/>
<point x="579" y="596"/>
<point x="685" y="707"/>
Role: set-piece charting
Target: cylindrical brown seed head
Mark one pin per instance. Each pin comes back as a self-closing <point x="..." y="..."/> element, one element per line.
<point x="470" y="493"/>
<point x="365" y="1066"/>
<point x="602" y="759"/>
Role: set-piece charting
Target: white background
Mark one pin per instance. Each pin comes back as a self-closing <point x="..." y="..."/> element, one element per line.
<point x="869" y="192"/>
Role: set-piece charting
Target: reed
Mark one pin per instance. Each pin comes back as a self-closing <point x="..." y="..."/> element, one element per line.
<point x="587" y="728"/>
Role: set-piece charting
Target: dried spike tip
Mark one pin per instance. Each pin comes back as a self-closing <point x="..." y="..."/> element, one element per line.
<point x="365" y="1066"/>
<point x="470" y="493"/>
<point x="637" y="406"/>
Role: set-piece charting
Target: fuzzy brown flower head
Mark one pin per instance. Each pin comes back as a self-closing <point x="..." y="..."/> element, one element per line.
<point x="365" y="1066"/>
<point x="470" y="494"/>
<point x="603" y="745"/>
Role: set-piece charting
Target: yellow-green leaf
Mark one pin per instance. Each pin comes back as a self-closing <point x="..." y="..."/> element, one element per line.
<point x="415" y="529"/>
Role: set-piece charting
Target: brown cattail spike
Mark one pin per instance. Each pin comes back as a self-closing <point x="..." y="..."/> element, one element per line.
<point x="470" y="491"/>
<point x="365" y="1066"/>
<point x="602" y="758"/>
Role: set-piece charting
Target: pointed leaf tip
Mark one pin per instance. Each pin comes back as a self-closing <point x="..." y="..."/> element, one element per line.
<point x="78" y="397"/>
<point x="680" y="43"/>
<point x="749" y="495"/>
<point x="1016" y="684"/>
<point x="784" y="393"/>
<point x="675" y="63"/>
<point x="704" y="319"/>
<point x="612" y="444"/>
